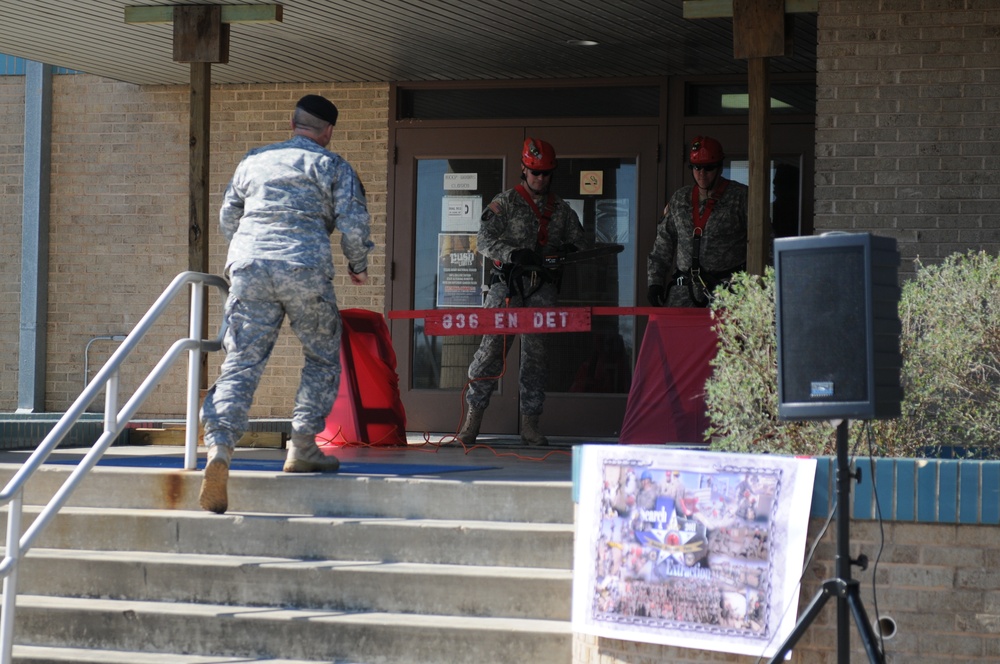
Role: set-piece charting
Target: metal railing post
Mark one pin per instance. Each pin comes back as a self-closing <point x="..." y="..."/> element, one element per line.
<point x="194" y="379"/>
<point x="10" y="580"/>
<point x="111" y="402"/>
<point x="115" y="421"/>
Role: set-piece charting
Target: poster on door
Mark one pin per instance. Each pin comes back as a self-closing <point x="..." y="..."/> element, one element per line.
<point x="460" y="271"/>
<point x="690" y="548"/>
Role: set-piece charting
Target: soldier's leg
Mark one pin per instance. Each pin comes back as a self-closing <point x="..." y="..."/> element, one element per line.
<point x="534" y="372"/>
<point x="311" y="307"/>
<point x="253" y="325"/>
<point x="484" y="370"/>
<point x="487" y="363"/>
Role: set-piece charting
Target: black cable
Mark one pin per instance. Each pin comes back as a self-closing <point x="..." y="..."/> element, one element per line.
<point x="870" y="435"/>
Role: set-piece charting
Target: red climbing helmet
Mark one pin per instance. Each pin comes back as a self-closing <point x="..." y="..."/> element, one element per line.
<point x="538" y="155"/>
<point x="706" y="150"/>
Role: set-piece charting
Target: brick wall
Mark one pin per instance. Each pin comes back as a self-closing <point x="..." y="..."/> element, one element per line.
<point x="118" y="232"/>
<point x="11" y="175"/>
<point x="119" y="221"/>
<point x="907" y="143"/>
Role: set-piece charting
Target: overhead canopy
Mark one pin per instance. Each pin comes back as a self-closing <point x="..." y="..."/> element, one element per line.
<point x="398" y="40"/>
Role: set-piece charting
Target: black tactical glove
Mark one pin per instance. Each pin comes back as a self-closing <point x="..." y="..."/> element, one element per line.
<point x="525" y="257"/>
<point x="656" y="295"/>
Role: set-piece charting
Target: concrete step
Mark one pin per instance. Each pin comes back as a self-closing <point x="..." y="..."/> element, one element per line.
<point x="414" y="540"/>
<point x="254" y="581"/>
<point x="49" y="655"/>
<point x="314" y="494"/>
<point x="352" y="569"/>
<point x="311" y="635"/>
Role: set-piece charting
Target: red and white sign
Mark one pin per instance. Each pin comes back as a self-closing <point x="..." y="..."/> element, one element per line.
<point x="527" y="320"/>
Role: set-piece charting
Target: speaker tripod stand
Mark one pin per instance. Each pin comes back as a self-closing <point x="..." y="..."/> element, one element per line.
<point x="845" y="589"/>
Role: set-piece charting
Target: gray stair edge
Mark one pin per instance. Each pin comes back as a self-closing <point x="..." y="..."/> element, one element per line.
<point x="339" y="585"/>
<point x="333" y="494"/>
<point x="45" y="654"/>
<point x="342" y="636"/>
<point x="285" y="614"/>
<point x="382" y="538"/>
<point x="236" y="560"/>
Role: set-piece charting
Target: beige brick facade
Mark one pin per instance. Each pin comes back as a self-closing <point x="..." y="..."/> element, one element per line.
<point x="907" y="143"/>
<point x="118" y="221"/>
<point x="11" y="174"/>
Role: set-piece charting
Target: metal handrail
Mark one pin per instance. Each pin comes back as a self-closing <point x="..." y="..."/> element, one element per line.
<point x="114" y="422"/>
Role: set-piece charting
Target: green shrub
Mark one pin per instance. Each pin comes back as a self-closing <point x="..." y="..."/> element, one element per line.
<point x="950" y="344"/>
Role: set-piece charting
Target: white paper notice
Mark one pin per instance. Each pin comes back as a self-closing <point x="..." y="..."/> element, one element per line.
<point x="461" y="213"/>
<point x="463" y="181"/>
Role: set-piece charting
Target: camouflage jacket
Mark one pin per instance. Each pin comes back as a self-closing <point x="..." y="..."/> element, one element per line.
<point x="285" y="200"/>
<point x="509" y="224"/>
<point x="724" y="239"/>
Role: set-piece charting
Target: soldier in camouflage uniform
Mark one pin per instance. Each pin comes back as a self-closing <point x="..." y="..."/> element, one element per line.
<point x="278" y="212"/>
<point x="515" y="227"/>
<point x="710" y="215"/>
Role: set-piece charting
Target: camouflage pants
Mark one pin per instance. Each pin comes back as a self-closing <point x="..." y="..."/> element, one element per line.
<point x="488" y="361"/>
<point x="262" y="294"/>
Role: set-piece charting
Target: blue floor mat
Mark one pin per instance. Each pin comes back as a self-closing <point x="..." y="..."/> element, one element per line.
<point x="274" y="465"/>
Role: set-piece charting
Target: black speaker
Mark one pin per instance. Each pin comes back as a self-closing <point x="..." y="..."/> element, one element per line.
<point x="837" y="314"/>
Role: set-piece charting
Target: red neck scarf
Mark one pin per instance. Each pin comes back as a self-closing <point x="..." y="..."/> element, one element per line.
<point x="543" y="216"/>
<point x="701" y="218"/>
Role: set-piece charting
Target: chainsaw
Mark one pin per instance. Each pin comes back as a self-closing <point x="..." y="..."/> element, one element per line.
<point x="558" y="258"/>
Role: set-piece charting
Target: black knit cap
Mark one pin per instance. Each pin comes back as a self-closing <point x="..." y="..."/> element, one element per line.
<point x="321" y="107"/>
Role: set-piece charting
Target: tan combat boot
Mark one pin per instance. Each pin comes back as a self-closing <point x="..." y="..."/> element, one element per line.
<point x="470" y="430"/>
<point x="214" y="496"/>
<point x="530" y="433"/>
<point x="304" y="456"/>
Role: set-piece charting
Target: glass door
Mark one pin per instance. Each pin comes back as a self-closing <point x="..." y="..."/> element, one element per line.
<point x="444" y="178"/>
<point x="609" y="176"/>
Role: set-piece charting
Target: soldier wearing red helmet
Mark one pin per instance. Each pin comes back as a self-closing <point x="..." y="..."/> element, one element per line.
<point x="702" y="238"/>
<point x="537" y="155"/>
<point x="515" y="227"/>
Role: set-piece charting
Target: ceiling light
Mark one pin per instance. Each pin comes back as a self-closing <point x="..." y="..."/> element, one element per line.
<point x="581" y="42"/>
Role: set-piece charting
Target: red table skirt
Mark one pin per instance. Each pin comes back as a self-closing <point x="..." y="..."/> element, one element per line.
<point x="666" y="403"/>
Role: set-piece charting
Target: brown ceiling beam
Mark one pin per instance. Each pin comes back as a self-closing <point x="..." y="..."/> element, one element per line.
<point x="230" y="14"/>
<point x="200" y="35"/>
<point x="724" y="8"/>
<point x="760" y="31"/>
